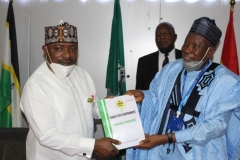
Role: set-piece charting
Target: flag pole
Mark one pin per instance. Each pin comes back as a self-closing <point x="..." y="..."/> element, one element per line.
<point x="232" y="3"/>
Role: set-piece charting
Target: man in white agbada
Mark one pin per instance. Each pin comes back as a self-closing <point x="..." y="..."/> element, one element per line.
<point x="59" y="103"/>
<point x="187" y="109"/>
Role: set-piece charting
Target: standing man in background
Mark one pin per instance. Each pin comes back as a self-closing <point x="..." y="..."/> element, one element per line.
<point x="58" y="101"/>
<point x="150" y="64"/>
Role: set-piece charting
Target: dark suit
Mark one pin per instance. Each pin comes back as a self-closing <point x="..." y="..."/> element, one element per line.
<point x="148" y="67"/>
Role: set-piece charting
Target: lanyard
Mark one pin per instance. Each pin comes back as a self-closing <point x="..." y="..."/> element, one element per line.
<point x="186" y="96"/>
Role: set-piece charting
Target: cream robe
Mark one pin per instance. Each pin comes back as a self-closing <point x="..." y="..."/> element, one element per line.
<point x="60" y="117"/>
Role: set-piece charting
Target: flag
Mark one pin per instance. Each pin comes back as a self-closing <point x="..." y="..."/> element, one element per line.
<point x="10" y="113"/>
<point x="229" y="56"/>
<point x="115" y="79"/>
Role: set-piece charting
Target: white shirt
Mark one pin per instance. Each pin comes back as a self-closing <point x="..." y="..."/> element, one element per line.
<point x="59" y="115"/>
<point x="161" y="57"/>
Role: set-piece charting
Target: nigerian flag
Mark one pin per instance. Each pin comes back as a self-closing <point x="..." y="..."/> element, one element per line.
<point x="115" y="79"/>
<point x="10" y="113"/>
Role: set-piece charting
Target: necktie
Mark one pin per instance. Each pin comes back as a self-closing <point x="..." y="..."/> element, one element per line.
<point x="166" y="60"/>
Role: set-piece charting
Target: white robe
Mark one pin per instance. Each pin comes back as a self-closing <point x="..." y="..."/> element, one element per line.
<point x="59" y="115"/>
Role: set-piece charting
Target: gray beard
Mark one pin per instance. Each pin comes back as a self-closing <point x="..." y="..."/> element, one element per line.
<point x="192" y="66"/>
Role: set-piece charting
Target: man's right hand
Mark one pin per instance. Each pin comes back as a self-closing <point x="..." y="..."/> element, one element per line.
<point x="104" y="147"/>
<point x="138" y="95"/>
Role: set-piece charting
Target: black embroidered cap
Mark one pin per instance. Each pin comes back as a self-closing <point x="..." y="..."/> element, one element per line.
<point x="207" y="28"/>
<point x="61" y="33"/>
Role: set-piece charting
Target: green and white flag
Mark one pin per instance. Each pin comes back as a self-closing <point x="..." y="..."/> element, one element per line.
<point x="10" y="91"/>
<point x="115" y="79"/>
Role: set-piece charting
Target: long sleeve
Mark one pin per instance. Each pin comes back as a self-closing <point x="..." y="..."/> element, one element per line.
<point x="59" y="114"/>
<point x="41" y="117"/>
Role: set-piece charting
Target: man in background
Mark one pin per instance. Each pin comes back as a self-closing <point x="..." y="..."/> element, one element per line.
<point x="150" y="64"/>
<point x="58" y="101"/>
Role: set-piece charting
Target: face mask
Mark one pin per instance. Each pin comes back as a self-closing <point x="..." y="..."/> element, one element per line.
<point x="60" y="70"/>
<point x="194" y="65"/>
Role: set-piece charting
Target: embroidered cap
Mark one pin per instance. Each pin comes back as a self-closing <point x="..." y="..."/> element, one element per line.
<point x="207" y="28"/>
<point x="61" y="33"/>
